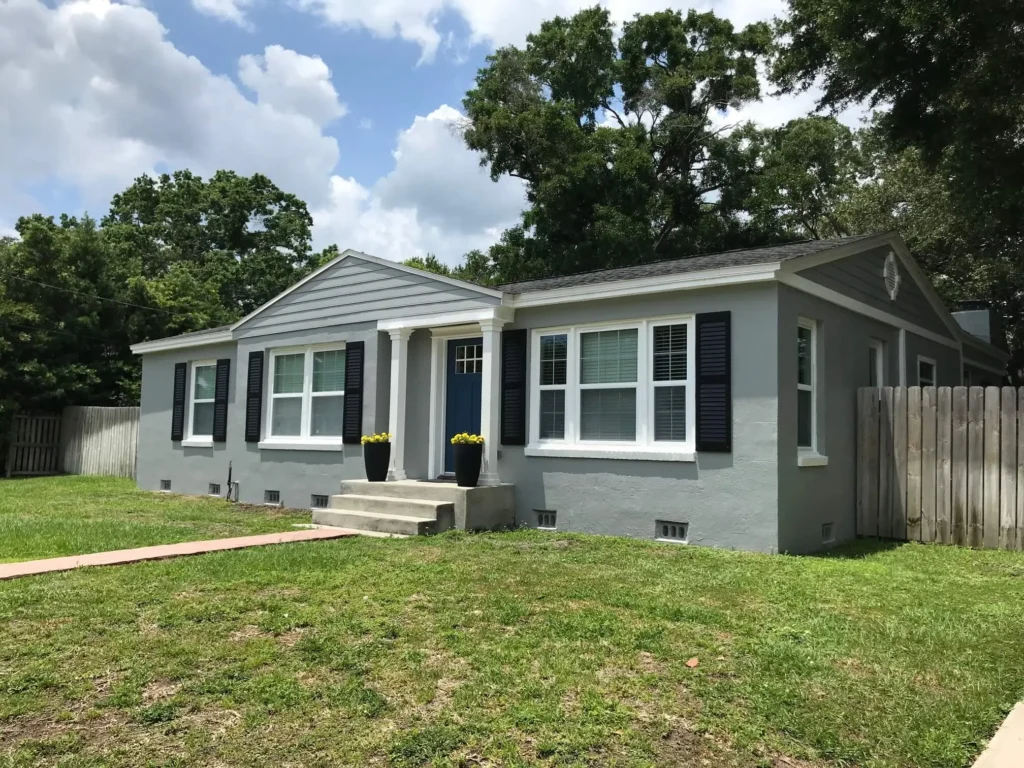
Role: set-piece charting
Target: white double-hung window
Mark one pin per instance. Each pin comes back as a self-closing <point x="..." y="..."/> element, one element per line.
<point x="202" y="392"/>
<point x="307" y="394"/>
<point x="618" y="391"/>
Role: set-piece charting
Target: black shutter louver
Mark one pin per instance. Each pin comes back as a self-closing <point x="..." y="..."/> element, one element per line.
<point x="714" y="382"/>
<point x="352" y="422"/>
<point x="178" y="402"/>
<point x="513" y="387"/>
<point x="220" y="401"/>
<point x="254" y="398"/>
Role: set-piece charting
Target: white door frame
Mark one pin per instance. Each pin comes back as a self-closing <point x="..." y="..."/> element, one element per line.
<point x="439" y="338"/>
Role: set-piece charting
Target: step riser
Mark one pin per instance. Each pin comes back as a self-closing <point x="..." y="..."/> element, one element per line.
<point x="380" y="525"/>
<point x="389" y="506"/>
<point x="443" y="492"/>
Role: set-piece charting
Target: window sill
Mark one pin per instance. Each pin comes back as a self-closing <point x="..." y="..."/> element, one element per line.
<point x="197" y="442"/>
<point x="301" y="445"/>
<point x="811" y="459"/>
<point x="606" y="452"/>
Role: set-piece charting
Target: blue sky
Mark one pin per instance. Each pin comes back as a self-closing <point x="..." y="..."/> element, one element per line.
<point x="347" y="103"/>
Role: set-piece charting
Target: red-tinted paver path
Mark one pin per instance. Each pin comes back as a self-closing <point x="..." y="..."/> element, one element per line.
<point x="122" y="556"/>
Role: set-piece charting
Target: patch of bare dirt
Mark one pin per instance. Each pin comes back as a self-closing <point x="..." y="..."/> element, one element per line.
<point x="291" y="637"/>
<point x="159" y="690"/>
<point x="248" y="632"/>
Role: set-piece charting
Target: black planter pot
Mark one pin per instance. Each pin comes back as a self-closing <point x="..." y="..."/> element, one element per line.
<point x="377" y="457"/>
<point x="467" y="464"/>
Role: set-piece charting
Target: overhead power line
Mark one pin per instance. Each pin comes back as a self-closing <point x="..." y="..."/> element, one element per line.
<point x="55" y="330"/>
<point x="94" y="296"/>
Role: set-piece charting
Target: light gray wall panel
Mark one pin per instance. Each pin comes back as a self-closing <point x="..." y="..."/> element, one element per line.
<point x="860" y="277"/>
<point x="812" y="496"/>
<point x="729" y="500"/>
<point x="946" y="358"/>
<point x="361" y="291"/>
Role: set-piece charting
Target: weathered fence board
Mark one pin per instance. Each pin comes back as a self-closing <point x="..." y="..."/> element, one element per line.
<point x="34" y="446"/>
<point x="941" y="465"/>
<point x="100" y="441"/>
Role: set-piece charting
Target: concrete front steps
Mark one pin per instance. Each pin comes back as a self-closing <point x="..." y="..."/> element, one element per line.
<point x="413" y="507"/>
<point x="406" y="508"/>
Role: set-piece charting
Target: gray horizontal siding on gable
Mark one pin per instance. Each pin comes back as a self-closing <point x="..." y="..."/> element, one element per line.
<point x="357" y="291"/>
<point x="860" y="277"/>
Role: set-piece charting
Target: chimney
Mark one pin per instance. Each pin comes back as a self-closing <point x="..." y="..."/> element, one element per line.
<point x="978" y="319"/>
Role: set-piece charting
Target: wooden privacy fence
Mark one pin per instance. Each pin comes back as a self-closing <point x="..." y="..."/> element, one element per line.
<point x="82" y="441"/>
<point x="99" y="441"/>
<point x="941" y="464"/>
<point x="34" y="447"/>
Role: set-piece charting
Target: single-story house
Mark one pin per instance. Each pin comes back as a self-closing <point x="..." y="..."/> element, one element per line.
<point x="708" y="399"/>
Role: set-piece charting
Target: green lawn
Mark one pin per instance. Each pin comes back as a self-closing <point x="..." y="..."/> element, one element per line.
<point x="513" y="649"/>
<point x="56" y="516"/>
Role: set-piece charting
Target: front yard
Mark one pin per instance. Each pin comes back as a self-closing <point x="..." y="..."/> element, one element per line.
<point x="511" y="649"/>
<point x="57" y="516"/>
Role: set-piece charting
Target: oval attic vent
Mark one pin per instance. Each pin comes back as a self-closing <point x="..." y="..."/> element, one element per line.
<point x="891" y="273"/>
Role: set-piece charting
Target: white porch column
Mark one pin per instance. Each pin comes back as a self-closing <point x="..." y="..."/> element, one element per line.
<point x="490" y="399"/>
<point x="396" y="415"/>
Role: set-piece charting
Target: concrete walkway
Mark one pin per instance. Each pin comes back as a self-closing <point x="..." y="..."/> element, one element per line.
<point x="1006" y="750"/>
<point x="122" y="556"/>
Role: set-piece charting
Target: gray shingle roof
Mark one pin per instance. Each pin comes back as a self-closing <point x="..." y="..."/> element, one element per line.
<point x="739" y="258"/>
<point x="195" y="334"/>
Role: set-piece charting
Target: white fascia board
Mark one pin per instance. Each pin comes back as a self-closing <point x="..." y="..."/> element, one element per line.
<point x="847" y="302"/>
<point x="644" y="285"/>
<point x="499" y="313"/>
<point x="181" y="342"/>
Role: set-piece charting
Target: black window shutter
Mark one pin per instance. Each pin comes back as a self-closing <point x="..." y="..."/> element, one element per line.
<point x="220" y="401"/>
<point x="513" y="387"/>
<point x="352" y="421"/>
<point x="254" y="398"/>
<point x="714" y="382"/>
<point x="178" y="404"/>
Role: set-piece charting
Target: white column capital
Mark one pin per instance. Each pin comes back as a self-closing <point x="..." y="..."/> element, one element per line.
<point x="492" y="324"/>
<point x="400" y="334"/>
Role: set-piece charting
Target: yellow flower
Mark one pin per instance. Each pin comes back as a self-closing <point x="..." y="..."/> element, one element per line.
<point x="465" y="438"/>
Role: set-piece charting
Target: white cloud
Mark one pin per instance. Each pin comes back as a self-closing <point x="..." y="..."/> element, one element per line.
<point x="290" y="82"/>
<point x="225" y="10"/>
<point x="502" y="22"/>
<point x="437" y="199"/>
<point x="103" y="96"/>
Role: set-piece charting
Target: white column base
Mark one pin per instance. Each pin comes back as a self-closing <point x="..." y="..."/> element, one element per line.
<point x="394" y="474"/>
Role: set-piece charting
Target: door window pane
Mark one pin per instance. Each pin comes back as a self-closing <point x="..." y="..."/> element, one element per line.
<point x="804" y="418"/>
<point x="608" y="414"/>
<point x="608" y="357"/>
<point x="287" y="417"/>
<point x="206" y="382"/>
<point x="329" y="371"/>
<point x="873" y="367"/>
<point x="670" y="413"/>
<point x="288" y="373"/>
<point x="327" y="415"/>
<point x="202" y="419"/>
<point x="553" y="356"/>
<point x="552" y="414"/>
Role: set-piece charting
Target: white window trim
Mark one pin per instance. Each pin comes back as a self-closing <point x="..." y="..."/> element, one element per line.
<point x="303" y="441"/>
<point x="809" y="456"/>
<point x="935" y="371"/>
<point x="645" y="447"/>
<point x="192" y="440"/>
<point x="879" y="346"/>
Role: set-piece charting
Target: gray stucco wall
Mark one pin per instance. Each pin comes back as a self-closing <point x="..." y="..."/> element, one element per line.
<point x="860" y="277"/>
<point x="729" y="500"/>
<point x="355" y="290"/>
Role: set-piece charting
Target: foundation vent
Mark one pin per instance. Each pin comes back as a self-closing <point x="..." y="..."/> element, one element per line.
<point x="165" y="485"/>
<point x="666" y="530"/>
<point x="215" y="489"/>
<point x="319" y="501"/>
<point x="828" y="534"/>
<point x="271" y="497"/>
<point x="547" y="519"/>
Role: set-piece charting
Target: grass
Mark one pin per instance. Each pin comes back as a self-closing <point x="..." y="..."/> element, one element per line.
<point x="57" y="516"/>
<point x="514" y="649"/>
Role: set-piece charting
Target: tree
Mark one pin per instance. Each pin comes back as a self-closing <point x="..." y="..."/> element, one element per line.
<point x="615" y="140"/>
<point x="475" y="268"/>
<point x="946" y="75"/>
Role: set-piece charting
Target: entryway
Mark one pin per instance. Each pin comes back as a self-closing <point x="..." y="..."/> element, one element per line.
<point x="465" y="368"/>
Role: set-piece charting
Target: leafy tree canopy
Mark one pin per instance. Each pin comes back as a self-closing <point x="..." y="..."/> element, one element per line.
<point x="615" y="139"/>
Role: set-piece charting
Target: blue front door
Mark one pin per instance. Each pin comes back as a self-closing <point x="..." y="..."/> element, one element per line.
<point x="462" y="400"/>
